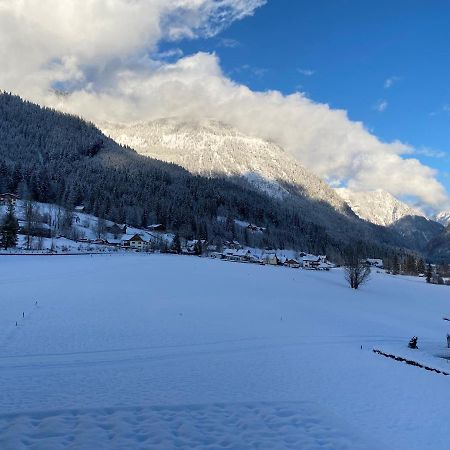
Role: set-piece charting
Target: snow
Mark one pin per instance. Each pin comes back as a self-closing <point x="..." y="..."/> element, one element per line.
<point x="84" y="226"/>
<point x="443" y="217"/>
<point x="164" y="352"/>
<point x="378" y="206"/>
<point x="210" y="147"/>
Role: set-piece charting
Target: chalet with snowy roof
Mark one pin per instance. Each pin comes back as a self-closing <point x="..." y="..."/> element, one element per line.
<point x="374" y="262"/>
<point x="291" y="262"/>
<point x="230" y="254"/>
<point x="311" y="262"/>
<point x="79" y="208"/>
<point x="100" y="241"/>
<point x="8" y="199"/>
<point x="271" y="259"/>
<point x="134" y="242"/>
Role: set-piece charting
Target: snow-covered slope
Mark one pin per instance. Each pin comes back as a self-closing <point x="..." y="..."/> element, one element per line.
<point x="165" y="352"/>
<point x="378" y="207"/>
<point x="209" y="147"/>
<point x="443" y="217"/>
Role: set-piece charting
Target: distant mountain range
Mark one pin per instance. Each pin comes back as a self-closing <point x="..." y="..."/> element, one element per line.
<point x="378" y="206"/>
<point x="211" y="148"/>
<point x="443" y="217"/>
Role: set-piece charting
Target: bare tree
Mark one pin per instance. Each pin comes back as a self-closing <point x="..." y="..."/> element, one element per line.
<point x="30" y="219"/>
<point x="357" y="272"/>
<point x="100" y="229"/>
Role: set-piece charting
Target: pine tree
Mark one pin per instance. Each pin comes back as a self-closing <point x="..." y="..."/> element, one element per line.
<point x="198" y="250"/>
<point x="176" y="244"/>
<point x="9" y="228"/>
<point x="421" y="266"/>
<point x="395" y="265"/>
<point x="410" y="265"/>
<point x="429" y="273"/>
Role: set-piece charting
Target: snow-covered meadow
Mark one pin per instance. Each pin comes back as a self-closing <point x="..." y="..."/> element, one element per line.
<point x="152" y="351"/>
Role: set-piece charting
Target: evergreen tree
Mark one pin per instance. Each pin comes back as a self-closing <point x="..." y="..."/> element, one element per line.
<point x="176" y="244"/>
<point x="9" y="229"/>
<point x="410" y="265"/>
<point x="198" y="250"/>
<point x="429" y="273"/>
<point x="395" y="265"/>
<point x="421" y="266"/>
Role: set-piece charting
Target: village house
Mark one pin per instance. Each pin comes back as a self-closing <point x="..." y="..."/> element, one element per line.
<point x="8" y="198"/>
<point x="230" y="255"/>
<point x="311" y="262"/>
<point x="246" y="256"/>
<point x="374" y="262"/>
<point x="271" y="259"/>
<point x="291" y="262"/>
<point x="135" y="242"/>
<point x="100" y="241"/>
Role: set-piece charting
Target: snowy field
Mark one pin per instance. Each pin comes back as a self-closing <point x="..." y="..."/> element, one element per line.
<point x="167" y="352"/>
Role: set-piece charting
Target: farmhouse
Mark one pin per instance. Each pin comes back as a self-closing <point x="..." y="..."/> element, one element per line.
<point x="311" y="262"/>
<point x="135" y="242"/>
<point x="290" y="262"/>
<point x="230" y="255"/>
<point x="271" y="259"/>
<point x="373" y="262"/>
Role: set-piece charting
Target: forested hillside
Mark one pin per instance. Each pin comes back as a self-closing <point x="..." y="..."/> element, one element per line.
<point x="56" y="158"/>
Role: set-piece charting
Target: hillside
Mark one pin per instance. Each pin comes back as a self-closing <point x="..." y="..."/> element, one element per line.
<point x="214" y="149"/>
<point x="210" y="148"/>
<point x="60" y="159"/>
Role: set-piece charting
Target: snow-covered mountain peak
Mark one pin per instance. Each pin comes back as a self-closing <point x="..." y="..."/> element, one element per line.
<point x="443" y="217"/>
<point x="209" y="147"/>
<point x="377" y="206"/>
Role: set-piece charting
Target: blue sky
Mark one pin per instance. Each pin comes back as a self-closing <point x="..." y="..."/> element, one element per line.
<point x="387" y="63"/>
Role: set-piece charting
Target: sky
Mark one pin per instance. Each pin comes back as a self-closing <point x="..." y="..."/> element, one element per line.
<point x="357" y="91"/>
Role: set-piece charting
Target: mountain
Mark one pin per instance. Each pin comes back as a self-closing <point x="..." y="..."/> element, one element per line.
<point x="56" y="158"/>
<point x="213" y="149"/>
<point x="443" y="217"/>
<point x="381" y="208"/>
<point x="378" y="207"/>
<point x="208" y="147"/>
<point x="439" y="247"/>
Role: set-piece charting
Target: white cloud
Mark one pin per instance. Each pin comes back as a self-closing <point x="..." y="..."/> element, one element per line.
<point x="168" y="54"/>
<point x="431" y="153"/>
<point x="100" y="50"/>
<point x="389" y="82"/>
<point x="228" y="43"/>
<point x="380" y="105"/>
<point x="306" y="72"/>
